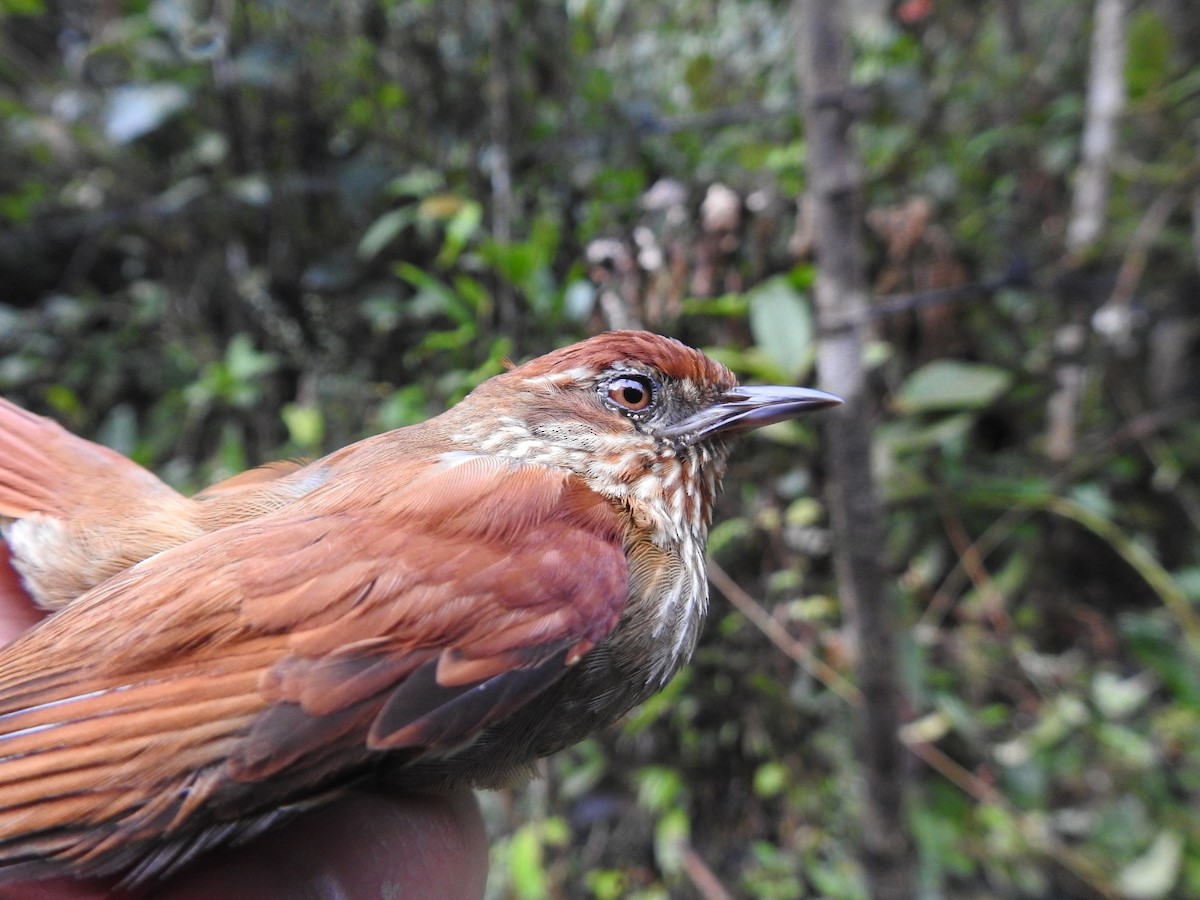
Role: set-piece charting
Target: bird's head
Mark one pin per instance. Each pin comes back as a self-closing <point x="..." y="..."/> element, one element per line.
<point x="644" y="419"/>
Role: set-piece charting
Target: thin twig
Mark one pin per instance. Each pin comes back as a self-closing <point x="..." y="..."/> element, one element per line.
<point x="1158" y="452"/>
<point x="1136" y="256"/>
<point x="973" y="565"/>
<point x="955" y="773"/>
<point x="778" y="635"/>
<point x="985" y="792"/>
<point x="969" y="783"/>
<point x="703" y="879"/>
<point x="1137" y="429"/>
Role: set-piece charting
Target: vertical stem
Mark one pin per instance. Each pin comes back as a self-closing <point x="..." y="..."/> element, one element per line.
<point x="1089" y="212"/>
<point x="835" y="179"/>
<point x="500" y="164"/>
<point x="1105" y="101"/>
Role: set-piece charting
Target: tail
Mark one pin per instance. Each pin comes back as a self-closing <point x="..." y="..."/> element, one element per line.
<point x="95" y="782"/>
<point x="113" y="766"/>
<point x="24" y="442"/>
<point x="44" y="469"/>
<point x="73" y="512"/>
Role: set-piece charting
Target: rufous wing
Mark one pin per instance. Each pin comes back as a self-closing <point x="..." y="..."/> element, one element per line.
<point x="198" y="696"/>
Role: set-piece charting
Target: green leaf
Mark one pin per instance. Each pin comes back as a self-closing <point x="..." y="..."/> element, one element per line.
<point x="21" y="204"/>
<point x="1149" y="54"/>
<point x="1154" y="873"/>
<point x="305" y="424"/>
<point x="416" y="183"/>
<point x="671" y="836"/>
<point x="770" y="779"/>
<point x="659" y="788"/>
<point x="460" y="229"/>
<point x="64" y="400"/>
<point x="583" y="767"/>
<point x="1119" y="697"/>
<point x="234" y="379"/>
<point x="782" y="323"/>
<point x="137" y="109"/>
<point x="383" y="230"/>
<point x="433" y="296"/>
<point x="516" y="263"/>
<point x="729" y="306"/>
<point x="912" y="435"/>
<point x="22" y="7"/>
<point x="1127" y="750"/>
<point x="245" y="362"/>
<point x="951" y="385"/>
<point x="526" y="864"/>
<point x="405" y="406"/>
<point x="607" y="884"/>
<point x="1095" y="499"/>
<point x="658" y="706"/>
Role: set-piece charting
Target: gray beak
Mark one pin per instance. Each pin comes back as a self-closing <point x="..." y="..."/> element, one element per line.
<point x="747" y="408"/>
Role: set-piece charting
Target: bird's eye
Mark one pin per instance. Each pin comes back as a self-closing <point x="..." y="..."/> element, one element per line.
<point x="634" y="393"/>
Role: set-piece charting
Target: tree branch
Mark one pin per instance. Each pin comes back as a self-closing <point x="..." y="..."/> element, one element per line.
<point x="834" y="177"/>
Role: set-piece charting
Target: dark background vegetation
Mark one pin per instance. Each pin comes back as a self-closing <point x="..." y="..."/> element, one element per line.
<point x="231" y="232"/>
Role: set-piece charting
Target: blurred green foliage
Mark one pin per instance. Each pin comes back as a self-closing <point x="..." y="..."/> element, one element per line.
<point x="236" y="232"/>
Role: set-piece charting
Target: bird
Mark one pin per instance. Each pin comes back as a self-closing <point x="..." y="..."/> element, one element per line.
<point x="435" y="607"/>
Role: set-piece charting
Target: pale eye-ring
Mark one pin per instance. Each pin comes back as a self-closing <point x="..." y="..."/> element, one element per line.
<point x="634" y="393"/>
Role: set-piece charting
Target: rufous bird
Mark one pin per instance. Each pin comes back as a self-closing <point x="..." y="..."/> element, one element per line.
<point x="437" y="606"/>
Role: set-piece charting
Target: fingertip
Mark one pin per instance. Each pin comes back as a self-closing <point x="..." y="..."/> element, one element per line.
<point x="364" y="845"/>
<point x="17" y="610"/>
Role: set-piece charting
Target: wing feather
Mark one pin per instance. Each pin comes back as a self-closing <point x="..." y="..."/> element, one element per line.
<point x="188" y="698"/>
<point x="423" y="714"/>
